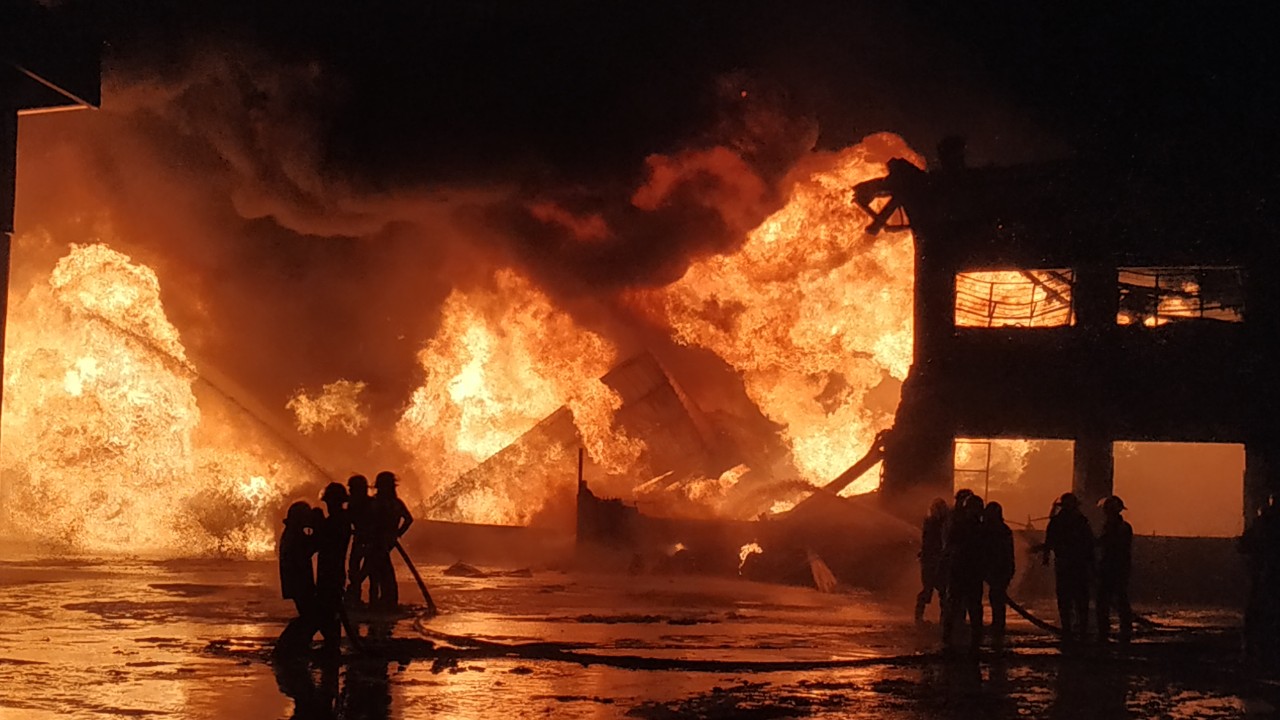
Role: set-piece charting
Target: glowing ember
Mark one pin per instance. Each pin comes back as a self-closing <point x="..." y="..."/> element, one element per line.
<point x="337" y="407"/>
<point x="813" y="313"/>
<point x="695" y="497"/>
<point x="781" y="506"/>
<point x="105" y="446"/>
<point x="747" y="551"/>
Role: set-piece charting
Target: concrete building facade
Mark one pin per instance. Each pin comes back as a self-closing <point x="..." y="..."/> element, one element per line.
<point x="1091" y="304"/>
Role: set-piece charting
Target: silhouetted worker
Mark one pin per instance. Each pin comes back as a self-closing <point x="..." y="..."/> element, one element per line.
<point x="1260" y="544"/>
<point x="1000" y="565"/>
<point x="389" y="519"/>
<point x="932" y="575"/>
<point x="297" y="581"/>
<point x="332" y="535"/>
<point x="1116" y="556"/>
<point x="964" y="560"/>
<point x="1070" y="540"/>
<point x="358" y="503"/>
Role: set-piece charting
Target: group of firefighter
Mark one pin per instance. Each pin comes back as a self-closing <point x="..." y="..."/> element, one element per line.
<point x="369" y="527"/>
<point x="1260" y="544"/>
<point x="969" y="545"/>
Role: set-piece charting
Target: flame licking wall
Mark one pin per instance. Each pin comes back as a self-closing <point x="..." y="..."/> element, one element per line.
<point x="207" y="322"/>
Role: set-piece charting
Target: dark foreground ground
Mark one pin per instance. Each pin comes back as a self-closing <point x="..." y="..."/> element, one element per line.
<point x="190" y="639"/>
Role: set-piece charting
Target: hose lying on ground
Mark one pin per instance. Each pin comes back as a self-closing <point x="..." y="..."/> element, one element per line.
<point x="1050" y="627"/>
<point x="1032" y="618"/>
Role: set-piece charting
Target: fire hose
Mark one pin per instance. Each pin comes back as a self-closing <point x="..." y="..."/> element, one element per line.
<point x="1050" y="627"/>
<point x="426" y="595"/>
<point x="350" y="628"/>
<point x="1026" y="615"/>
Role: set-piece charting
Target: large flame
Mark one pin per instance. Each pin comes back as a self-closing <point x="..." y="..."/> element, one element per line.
<point x="106" y="448"/>
<point x="113" y="440"/>
<point x="814" y="314"/>
<point x="503" y="359"/>
<point x="336" y="407"/>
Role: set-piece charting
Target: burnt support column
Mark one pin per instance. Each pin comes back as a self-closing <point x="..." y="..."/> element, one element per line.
<point x="1093" y="472"/>
<point x="8" y="186"/>
<point x="1095" y="300"/>
<point x="1260" y="479"/>
<point x="919" y="463"/>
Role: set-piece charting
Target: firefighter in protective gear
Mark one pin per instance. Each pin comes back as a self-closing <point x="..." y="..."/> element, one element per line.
<point x="1070" y="541"/>
<point x="333" y="534"/>
<point x="389" y="520"/>
<point x="964" y="560"/>
<point x="1260" y="544"/>
<point x="1000" y="565"/>
<point x="358" y="502"/>
<point x="1114" y="562"/>
<point x="297" y="582"/>
<point x="932" y="572"/>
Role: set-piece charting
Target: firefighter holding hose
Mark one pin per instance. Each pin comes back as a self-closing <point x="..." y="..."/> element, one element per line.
<point x="389" y="519"/>
<point x="1070" y="541"/>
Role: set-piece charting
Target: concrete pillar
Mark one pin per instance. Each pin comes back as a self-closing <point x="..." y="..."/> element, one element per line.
<point x="1093" y="472"/>
<point x="918" y="466"/>
<point x="8" y="166"/>
<point x="1096" y="296"/>
<point x="1259" y="478"/>
<point x="8" y="186"/>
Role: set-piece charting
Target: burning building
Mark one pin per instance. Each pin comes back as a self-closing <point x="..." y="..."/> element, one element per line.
<point x="1077" y="302"/>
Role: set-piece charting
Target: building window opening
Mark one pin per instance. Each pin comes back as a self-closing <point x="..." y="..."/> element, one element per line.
<point x="1017" y="298"/>
<point x="1158" y="296"/>
<point x="1181" y="489"/>
<point x="1024" y="476"/>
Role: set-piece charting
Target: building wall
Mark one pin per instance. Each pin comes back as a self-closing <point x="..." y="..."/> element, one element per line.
<point x="1094" y="381"/>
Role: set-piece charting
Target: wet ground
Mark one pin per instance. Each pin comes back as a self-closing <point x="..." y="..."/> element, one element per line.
<point x="191" y="639"/>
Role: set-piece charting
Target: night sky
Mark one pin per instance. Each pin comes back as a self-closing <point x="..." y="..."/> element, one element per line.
<point x="427" y="91"/>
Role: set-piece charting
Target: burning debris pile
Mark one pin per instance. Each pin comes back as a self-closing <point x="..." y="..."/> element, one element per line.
<point x="812" y="316"/>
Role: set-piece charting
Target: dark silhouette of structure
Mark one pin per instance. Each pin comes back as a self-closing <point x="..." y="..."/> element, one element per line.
<point x="1143" y="314"/>
<point x="49" y="61"/>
